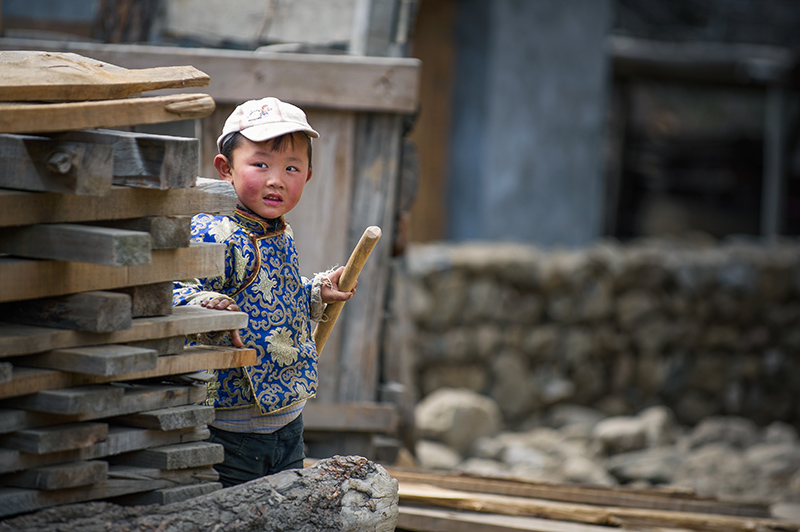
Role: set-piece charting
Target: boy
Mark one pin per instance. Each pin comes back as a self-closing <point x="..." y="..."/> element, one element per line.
<point x="265" y="153"/>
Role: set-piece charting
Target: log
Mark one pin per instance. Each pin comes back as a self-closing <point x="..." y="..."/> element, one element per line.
<point x="346" y="493"/>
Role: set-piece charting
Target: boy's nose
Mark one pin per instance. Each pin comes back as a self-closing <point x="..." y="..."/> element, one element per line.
<point x="273" y="180"/>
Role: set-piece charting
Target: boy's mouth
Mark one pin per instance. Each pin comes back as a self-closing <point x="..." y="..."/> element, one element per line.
<point x="273" y="199"/>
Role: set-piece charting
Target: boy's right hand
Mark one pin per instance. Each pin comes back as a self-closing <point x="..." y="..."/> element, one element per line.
<point x="221" y="303"/>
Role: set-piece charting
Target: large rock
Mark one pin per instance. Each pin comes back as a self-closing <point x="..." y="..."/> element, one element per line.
<point x="457" y="417"/>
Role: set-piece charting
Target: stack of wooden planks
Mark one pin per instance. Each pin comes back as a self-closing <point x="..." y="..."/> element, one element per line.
<point x="451" y="502"/>
<point x="99" y="399"/>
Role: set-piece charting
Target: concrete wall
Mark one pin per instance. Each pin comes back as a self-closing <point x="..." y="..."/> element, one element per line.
<point x="529" y="113"/>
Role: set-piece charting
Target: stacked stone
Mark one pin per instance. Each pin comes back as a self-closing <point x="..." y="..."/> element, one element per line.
<point x="703" y="328"/>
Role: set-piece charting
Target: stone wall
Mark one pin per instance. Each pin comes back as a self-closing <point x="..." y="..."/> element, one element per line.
<point x="703" y="328"/>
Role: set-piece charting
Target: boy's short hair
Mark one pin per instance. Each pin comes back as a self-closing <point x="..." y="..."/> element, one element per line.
<point x="265" y="119"/>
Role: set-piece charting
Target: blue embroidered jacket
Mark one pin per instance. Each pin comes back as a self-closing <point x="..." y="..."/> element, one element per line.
<point x="262" y="277"/>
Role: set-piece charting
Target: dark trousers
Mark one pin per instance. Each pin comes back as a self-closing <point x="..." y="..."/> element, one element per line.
<point x="249" y="456"/>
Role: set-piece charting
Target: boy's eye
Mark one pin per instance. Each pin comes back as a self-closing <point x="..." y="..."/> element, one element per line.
<point x="260" y="165"/>
<point x="292" y="169"/>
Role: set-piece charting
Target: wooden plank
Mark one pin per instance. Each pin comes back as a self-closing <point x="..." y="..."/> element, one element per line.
<point x="28" y="279"/>
<point x="385" y="84"/>
<point x="79" y="243"/>
<point x="42" y="164"/>
<point x="163" y="346"/>
<point x="120" y="440"/>
<point x="170" y="495"/>
<point x="422" y="494"/>
<point x="165" y="231"/>
<point x="107" y="360"/>
<point x="96" y="311"/>
<point x="55" y="438"/>
<point x="187" y="476"/>
<point x="350" y="417"/>
<point x="49" y="76"/>
<point x="658" y="499"/>
<point x="435" y="520"/>
<point x="179" y="456"/>
<point x="145" y="159"/>
<point x="150" y="299"/>
<point x="137" y="398"/>
<point x="67" y="401"/>
<point x="173" y="418"/>
<point x="25" y="208"/>
<point x="21" y="339"/>
<point x="60" y="476"/>
<point x="6" y="371"/>
<point x="37" y="381"/>
<point x="51" y="117"/>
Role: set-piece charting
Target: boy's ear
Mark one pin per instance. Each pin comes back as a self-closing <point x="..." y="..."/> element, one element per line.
<point x="224" y="168"/>
<point x="308" y="177"/>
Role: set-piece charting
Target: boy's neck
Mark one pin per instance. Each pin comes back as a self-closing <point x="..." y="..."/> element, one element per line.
<point x="272" y="224"/>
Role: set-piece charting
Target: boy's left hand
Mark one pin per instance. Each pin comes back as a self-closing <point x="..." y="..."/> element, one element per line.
<point x="331" y="294"/>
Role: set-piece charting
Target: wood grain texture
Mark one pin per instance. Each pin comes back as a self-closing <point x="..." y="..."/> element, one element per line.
<point x="96" y="311"/>
<point x="105" y="360"/>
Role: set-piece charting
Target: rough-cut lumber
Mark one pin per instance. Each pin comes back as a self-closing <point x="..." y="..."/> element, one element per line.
<point x="42" y="164"/>
<point x="348" y="494"/>
<point x="56" y="438"/>
<point x="144" y="159"/>
<point x="422" y="494"/>
<point x="178" y="456"/>
<point x="25" y="208"/>
<point x="107" y="360"/>
<point x="59" y="476"/>
<point x="120" y="440"/>
<point x="51" y="117"/>
<point x="173" y="418"/>
<point x="49" y="76"/>
<point x="163" y="346"/>
<point x="137" y="398"/>
<point x="28" y="279"/>
<point x="6" y="371"/>
<point x="24" y="339"/>
<point x="150" y="299"/>
<point x="96" y="311"/>
<point x="435" y="520"/>
<point x="657" y="499"/>
<point x="361" y="83"/>
<point x="79" y="243"/>
<point x="170" y="495"/>
<point x="33" y="381"/>
<point x="66" y="401"/>
<point x="165" y="231"/>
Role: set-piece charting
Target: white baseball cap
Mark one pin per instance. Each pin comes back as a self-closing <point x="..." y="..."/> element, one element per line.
<point x="260" y="120"/>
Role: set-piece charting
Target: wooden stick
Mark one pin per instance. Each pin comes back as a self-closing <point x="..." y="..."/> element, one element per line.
<point x="346" y="283"/>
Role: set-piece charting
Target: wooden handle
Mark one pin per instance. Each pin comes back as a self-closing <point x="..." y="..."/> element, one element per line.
<point x="346" y="283"/>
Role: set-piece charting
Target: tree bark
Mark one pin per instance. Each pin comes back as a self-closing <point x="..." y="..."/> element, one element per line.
<point x="342" y="493"/>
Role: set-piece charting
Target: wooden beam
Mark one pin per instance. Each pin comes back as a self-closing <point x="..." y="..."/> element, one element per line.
<point x="144" y="159"/>
<point x="45" y="397"/>
<point x="77" y="243"/>
<point x="22" y="340"/>
<point x="173" y="418"/>
<point x="31" y="381"/>
<point x="166" y="232"/>
<point x="179" y="456"/>
<point x="48" y="76"/>
<point x="150" y="299"/>
<point x="26" y="208"/>
<point x="106" y="360"/>
<point x="51" y="117"/>
<point x="56" y="438"/>
<point x="60" y="476"/>
<point x="42" y="164"/>
<point x="96" y="311"/>
<point x="28" y="279"/>
<point x="379" y="84"/>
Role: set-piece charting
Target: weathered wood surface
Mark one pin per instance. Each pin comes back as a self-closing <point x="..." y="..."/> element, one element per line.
<point x="423" y="494"/>
<point x="165" y="231"/>
<point x="24" y="339"/>
<point x="349" y="494"/>
<point x="350" y="417"/>
<point x="107" y="360"/>
<point x="32" y="381"/>
<point x="51" y="117"/>
<point x="137" y="398"/>
<point x="25" y="208"/>
<point x="120" y="440"/>
<point x="66" y="401"/>
<point x="28" y="279"/>
<point x="149" y="300"/>
<point x="77" y="243"/>
<point x="170" y="495"/>
<point x="417" y="519"/>
<point x="382" y="84"/>
<point x="144" y="159"/>
<point x="178" y="456"/>
<point x="42" y="164"/>
<point x="173" y="418"/>
<point x="60" y="476"/>
<point x="657" y="499"/>
<point x="56" y="438"/>
<point x="49" y="76"/>
<point x="96" y="311"/>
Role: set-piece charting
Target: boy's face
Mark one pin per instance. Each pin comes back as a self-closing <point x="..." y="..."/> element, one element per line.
<point x="267" y="182"/>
